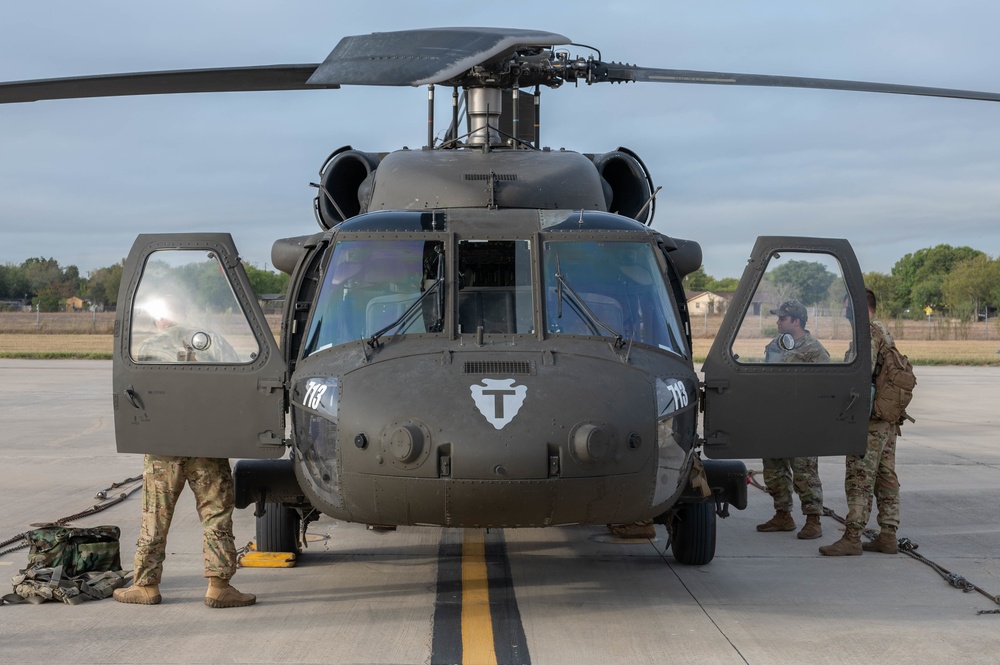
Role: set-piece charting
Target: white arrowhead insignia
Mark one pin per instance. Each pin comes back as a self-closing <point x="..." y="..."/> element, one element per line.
<point x="498" y="400"/>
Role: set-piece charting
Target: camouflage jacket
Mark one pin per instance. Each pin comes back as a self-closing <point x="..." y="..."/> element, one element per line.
<point x="807" y="349"/>
<point x="877" y="343"/>
<point x="175" y="344"/>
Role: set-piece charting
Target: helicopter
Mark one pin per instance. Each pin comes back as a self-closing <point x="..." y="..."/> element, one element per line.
<point x="484" y="332"/>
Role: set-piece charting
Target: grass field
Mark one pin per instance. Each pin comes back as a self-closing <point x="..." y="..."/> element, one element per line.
<point x="86" y="335"/>
<point x="922" y="352"/>
<point x="932" y="352"/>
<point x="55" y="346"/>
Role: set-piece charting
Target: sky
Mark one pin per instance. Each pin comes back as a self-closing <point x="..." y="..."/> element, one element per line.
<point x="79" y="180"/>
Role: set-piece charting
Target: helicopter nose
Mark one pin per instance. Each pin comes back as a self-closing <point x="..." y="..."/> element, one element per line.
<point x="592" y="443"/>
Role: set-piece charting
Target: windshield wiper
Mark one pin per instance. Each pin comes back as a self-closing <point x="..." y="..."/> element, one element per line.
<point x="408" y="313"/>
<point x="591" y="319"/>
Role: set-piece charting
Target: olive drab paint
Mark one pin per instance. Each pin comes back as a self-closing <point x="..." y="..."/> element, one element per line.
<point x="484" y="332"/>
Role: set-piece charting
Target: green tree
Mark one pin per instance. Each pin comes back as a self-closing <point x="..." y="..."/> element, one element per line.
<point x="697" y="280"/>
<point x="884" y="287"/>
<point x="13" y="284"/>
<point x="96" y="293"/>
<point x="49" y="299"/>
<point x="72" y="283"/>
<point x="5" y="277"/>
<point x="205" y="283"/>
<point x="103" y="284"/>
<point x="725" y="285"/>
<point x="809" y="279"/>
<point x="920" y="276"/>
<point x="42" y="275"/>
<point x="264" y="281"/>
<point x="970" y="285"/>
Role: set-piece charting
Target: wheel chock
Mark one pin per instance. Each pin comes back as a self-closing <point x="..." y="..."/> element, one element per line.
<point x="254" y="559"/>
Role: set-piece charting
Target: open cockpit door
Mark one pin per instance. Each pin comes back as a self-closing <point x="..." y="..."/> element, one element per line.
<point x="789" y="374"/>
<point x="196" y="369"/>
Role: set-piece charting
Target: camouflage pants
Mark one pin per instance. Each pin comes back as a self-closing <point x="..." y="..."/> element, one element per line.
<point x="211" y="480"/>
<point x="874" y="475"/>
<point x="781" y="475"/>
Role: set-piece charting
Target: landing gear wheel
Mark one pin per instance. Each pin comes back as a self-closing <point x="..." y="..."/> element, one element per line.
<point x="692" y="533"/>
<point x="278" y="529"/>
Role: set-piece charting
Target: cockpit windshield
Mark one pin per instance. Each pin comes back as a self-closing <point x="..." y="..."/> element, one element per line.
<point x="369" y="285"/>
<point x="374" y="288"/>
<point x="609" y="289"/>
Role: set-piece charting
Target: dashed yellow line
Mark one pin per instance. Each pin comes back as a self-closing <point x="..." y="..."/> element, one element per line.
<point x="477" y="623"/>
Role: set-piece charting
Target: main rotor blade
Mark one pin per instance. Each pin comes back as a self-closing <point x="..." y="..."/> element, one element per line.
<point x="225" y="79"/>
<point x="619" y="72"/>
<point x="422" y="57"/>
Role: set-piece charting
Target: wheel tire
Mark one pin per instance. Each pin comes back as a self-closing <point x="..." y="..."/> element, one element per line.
<point x="692" y="534"/>
<point x="278" y="529"/>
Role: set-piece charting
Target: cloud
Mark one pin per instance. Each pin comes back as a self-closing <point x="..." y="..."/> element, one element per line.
<point x="893" y="174"/>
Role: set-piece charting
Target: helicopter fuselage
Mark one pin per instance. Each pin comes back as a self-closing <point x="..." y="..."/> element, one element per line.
<point x="520" y="382"/>
<point x="486" y="332"/>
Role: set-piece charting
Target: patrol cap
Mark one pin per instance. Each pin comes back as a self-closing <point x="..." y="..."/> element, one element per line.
<point x="792" y="308"/>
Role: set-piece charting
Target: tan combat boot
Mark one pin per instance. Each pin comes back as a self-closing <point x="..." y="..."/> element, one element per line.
<point x="782" y="521"/>
<point x="139" y="595"/>
<point x="812" y="529"/>
<point x="886" y="543"/>
<point x="221" y="594"/>
<point x="849" y="545"/>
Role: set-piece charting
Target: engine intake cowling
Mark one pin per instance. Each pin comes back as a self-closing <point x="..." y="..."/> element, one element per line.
<point x="342" y="193"/>
<point x="629" y="183"/>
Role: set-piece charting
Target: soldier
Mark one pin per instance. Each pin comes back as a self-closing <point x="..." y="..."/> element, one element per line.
<point x="163" y="478"/>
<point x="874" y="472"/>
<point x="781" y="475"/>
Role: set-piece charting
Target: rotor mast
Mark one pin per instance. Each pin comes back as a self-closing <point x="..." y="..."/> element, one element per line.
<point x="485" y="106"/>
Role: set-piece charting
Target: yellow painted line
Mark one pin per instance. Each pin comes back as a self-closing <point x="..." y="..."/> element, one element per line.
<point x="477" y="625"/>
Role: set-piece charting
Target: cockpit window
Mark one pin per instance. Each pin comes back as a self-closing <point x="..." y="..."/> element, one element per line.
<point x="799" y="313"/>
<point x="495" y="287"/>
<point x="185" y="311"/>
<point x="369" y="285"/>
<point x="610" y="289"/>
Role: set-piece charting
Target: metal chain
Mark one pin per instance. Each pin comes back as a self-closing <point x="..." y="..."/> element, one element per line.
<point x="954" y="579"/>
<point x="241" y="552"/>
<point x="751" y="480"/>
<point x="907" y="547"/>
<point x="103" y="494"/>
<point x="16" y="538"/>
<point x="98" y="507"/>
<point x="93" y="510"/>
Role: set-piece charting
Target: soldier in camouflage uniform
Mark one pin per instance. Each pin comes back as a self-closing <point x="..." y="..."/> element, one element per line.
<point x="782" y="475"/>
<point x="872" y="474"/>
<point x="164" y="477"/>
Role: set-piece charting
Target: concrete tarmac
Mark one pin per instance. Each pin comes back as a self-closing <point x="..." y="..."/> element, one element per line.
<point x="578" y="595"/>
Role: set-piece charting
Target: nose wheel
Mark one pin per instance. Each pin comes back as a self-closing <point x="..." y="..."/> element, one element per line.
<point x="692" y="533"/>
<point x="278" y="528"/>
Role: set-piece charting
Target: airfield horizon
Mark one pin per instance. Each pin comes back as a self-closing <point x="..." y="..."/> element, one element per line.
<point x="89" y="336"/>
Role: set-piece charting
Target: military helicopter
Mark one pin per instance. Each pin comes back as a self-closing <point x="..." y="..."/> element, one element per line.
<point x="484" y="332"/>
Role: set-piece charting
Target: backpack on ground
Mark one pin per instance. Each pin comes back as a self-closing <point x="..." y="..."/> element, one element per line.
<point x="70" y="564"/>
<point x="894" y="381"/>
